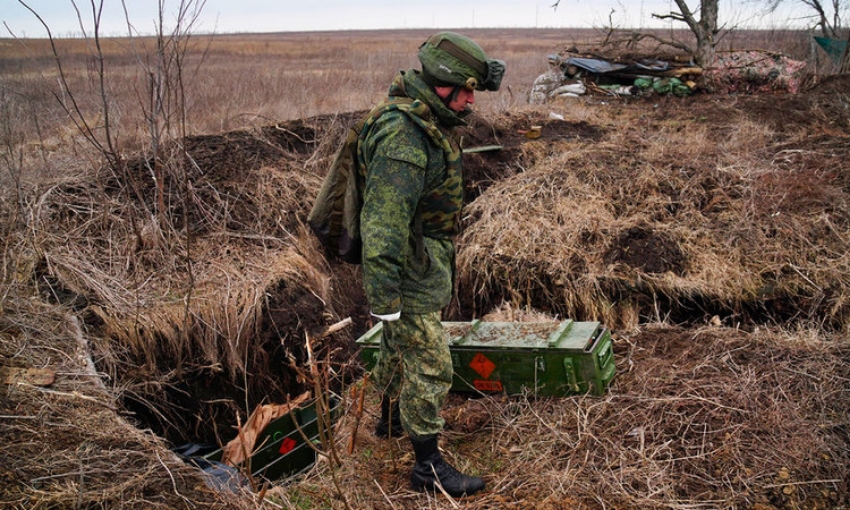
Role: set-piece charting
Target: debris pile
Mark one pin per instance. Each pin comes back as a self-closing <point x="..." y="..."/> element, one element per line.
<point x="749" y="72"/>
<point x="572" y="76"/>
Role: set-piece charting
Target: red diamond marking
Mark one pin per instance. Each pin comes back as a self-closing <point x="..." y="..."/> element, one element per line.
<point x="287" y="445"/>
<point x="482" y="365"/>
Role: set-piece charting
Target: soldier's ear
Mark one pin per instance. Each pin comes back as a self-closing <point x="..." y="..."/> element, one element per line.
<point x="443" y="92"/>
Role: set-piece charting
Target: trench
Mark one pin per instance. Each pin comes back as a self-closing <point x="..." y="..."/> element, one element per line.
<point x="203" y="406"/>
<point x="184" y="400"/>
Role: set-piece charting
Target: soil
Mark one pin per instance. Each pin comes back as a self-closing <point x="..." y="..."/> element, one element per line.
<point x="482" y="169"/>
<point x="202" y="405"/>
<point x="643" y="249"/>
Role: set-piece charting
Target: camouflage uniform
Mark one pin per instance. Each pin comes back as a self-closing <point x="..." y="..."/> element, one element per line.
<point x="411" y="205"/>
<point x="415" y="346"/>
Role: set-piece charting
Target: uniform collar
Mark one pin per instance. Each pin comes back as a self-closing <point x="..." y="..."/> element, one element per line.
<point x="410" y="84"/>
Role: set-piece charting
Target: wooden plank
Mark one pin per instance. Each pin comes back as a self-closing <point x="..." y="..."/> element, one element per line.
<point x="484" y="148"/>
<point x="34" y="376"/>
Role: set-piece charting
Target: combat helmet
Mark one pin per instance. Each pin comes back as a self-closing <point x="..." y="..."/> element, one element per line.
<point x="451" y="59"/>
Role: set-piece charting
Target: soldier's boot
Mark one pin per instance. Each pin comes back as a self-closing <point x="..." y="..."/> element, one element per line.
<point x="431" y="469"/>
<point x="389" y="425"/>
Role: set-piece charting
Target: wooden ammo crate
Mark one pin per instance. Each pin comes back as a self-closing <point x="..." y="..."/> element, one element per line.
<point x="538" y="358"/>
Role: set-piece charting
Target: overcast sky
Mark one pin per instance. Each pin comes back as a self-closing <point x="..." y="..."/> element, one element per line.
<point x="225" y="16"/>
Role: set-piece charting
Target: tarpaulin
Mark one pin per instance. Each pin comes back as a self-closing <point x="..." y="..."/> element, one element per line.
<point x="835" y="48"/>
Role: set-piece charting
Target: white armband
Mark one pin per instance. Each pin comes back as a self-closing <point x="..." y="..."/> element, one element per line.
<point x="389" y="317"/>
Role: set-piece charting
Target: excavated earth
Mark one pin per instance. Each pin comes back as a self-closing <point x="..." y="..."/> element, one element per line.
<point x="82" y="442"/>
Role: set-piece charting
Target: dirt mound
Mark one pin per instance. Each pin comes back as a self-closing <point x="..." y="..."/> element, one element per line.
<point x="231" y="243"/>
<point x="723" y="209"/>
<point x="505" y="140"/>
<point x="836" y="84"/>
<point x="729" y="206"/>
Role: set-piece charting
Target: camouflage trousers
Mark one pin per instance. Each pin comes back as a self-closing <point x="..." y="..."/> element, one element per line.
<point x="415" y="366"/>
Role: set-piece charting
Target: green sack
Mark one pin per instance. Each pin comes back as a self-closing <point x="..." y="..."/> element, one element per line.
<point x="335" y="217"/>
<point x="666" y="85"/>
<point x="643" y="83"/>
<point x="682" y="90"/>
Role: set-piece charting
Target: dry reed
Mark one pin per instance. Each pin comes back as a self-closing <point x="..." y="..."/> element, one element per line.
<point x="741" y="203"/>
<point x="704" y="418"/>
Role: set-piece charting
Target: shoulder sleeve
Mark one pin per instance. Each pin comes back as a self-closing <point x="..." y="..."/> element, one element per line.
<point x="395" y="136"/>
<point x="395" y="154"/>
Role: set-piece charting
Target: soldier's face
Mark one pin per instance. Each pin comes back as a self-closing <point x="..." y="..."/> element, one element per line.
<point x="459" y="102"/>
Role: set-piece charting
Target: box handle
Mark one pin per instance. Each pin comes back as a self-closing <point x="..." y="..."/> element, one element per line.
<point x="570" y="372"/>
<point x="562" y="330"/>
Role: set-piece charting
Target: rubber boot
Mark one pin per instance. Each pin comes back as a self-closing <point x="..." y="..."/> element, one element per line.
<point x="430" y="469"/>
<point x="390" y="414"/>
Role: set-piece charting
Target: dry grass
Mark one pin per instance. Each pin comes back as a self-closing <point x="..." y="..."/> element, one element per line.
<point x="226" y="305"/>
<point x="239" y="81"/>
<point x="702" y="418"/>
<point x="636" y="213"/>
<point x="67" y="446"/>
<point x="686" y="212"/>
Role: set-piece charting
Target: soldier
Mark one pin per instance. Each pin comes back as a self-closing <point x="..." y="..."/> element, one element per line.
<point x="411" y="208"/>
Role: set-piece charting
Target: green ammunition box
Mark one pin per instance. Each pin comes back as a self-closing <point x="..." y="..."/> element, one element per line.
<point x="537" y="358"/>
<point x="287" y="446"/>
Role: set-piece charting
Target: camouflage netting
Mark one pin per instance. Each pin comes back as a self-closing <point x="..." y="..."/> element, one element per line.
<point x="749" y="72"/>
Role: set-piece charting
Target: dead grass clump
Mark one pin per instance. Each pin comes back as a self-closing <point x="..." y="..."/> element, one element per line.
<point x="196" y="291"/>
<point x="65" y="445"/>
<point x="199" y="310"/>
<point x="831" y="103"/>
<point x="635" y="226"/>
<point x="166" y="345"/>
<point x="713" y="417"/>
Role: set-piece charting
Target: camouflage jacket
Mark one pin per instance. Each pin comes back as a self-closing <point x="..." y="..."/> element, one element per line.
<point x="404" y="270"/>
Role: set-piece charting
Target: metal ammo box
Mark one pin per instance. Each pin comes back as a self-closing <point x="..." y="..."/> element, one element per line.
<point x="540" y="358"/>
